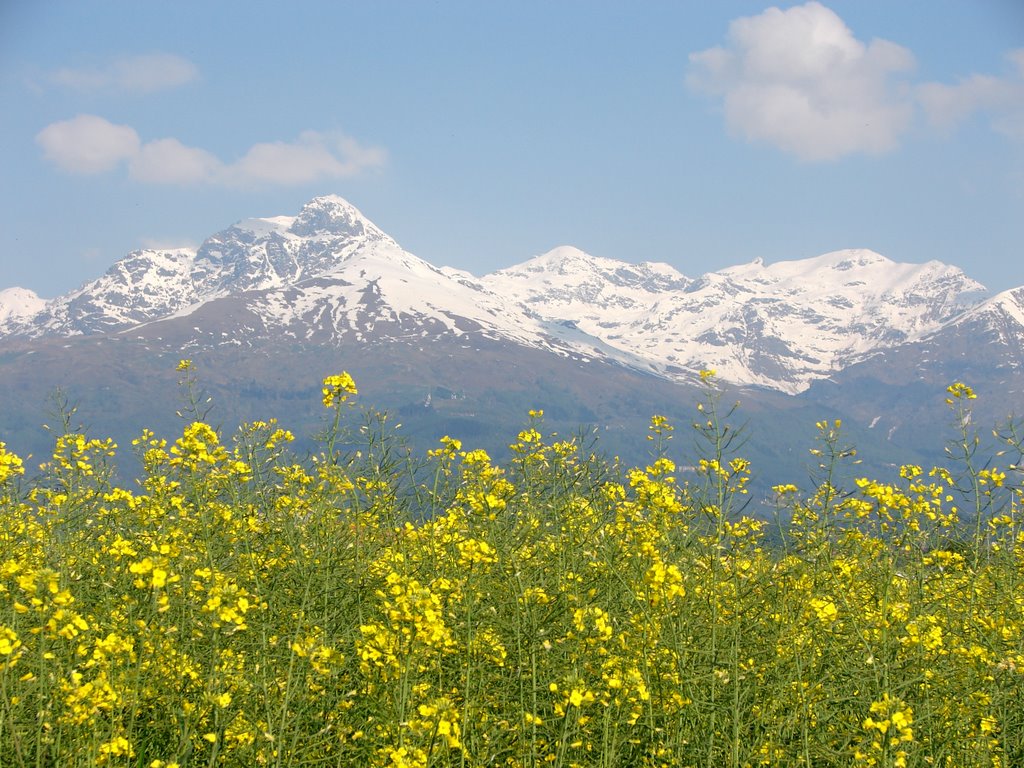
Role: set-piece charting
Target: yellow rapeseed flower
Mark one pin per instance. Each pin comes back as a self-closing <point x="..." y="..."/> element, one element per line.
<point x="10" y="464"/>
<point x="119" y="746"/>
<point x="9" y="642"/>
<point x="959" y="391"/>
<point x="337" y="389"/>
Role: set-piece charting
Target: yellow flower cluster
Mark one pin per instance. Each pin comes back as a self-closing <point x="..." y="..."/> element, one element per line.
<point x="10" y="464"/>
<point x="890" y="726"/>
<point x="337" y="389"/>
<point x="238" y="607"/>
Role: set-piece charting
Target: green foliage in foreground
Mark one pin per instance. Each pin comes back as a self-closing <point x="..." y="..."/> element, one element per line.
<point x="240" y="608"/>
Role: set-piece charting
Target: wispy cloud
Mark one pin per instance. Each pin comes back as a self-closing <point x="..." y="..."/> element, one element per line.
<point x="1001" y="99"/>
<point x="800" y="80"/>
<point x="315" y="155"/>
<point x="130" y="74"/>
<point x="88" y="145"/>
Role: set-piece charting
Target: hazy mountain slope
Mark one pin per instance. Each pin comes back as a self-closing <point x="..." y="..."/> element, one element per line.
<point x="472" y="387"/>
<point x="900" y="392"/>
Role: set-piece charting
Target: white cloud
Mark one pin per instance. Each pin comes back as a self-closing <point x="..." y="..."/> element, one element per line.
<point x="168" y="161"/>
<point x="132" y="74"/>
<point x="798" y="79"/>
<point x="948" y="105"/>
<point x="87" y="144"/>
<point x="1001" y="98"/>
<point x="314" y="156"/>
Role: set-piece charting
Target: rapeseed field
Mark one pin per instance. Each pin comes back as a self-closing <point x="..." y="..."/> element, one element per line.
<point x="239" y="606"/>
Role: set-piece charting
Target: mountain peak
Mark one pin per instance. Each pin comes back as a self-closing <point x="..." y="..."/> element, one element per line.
<point x="840" y="261"/>
<point x="838" y="270"/>
<point x="558" y="259"/>
<point x="564" y="253"/>
<point x="333" y="215"/>
<point x="851" y="258"/>
<point x="16" y="303"/>
<point x="1009" y="304"/>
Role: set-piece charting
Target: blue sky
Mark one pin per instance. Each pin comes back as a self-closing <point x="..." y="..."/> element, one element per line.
<point x="479" y="134"/>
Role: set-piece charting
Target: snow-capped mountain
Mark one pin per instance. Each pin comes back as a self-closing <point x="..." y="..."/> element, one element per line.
<point x="1001" y="316"/>
<point x="380" y="294"/>
<point x="329" y="275"/>
<point x="898" y="392"/>
<point x="324" y="275"/>
<point x="568" y="282"/>
<point x="780" y="325"/>
<point x="18" y="303"/>
<point x="253" y="254"/>
<point x="269" y="306"/>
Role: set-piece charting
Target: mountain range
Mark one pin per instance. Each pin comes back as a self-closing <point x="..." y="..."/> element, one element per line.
<point x="268" y="303"/>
